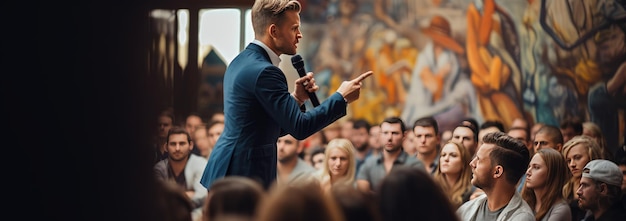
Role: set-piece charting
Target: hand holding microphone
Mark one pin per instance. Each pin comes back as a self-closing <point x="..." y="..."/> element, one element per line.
<point x="305" y="85"/>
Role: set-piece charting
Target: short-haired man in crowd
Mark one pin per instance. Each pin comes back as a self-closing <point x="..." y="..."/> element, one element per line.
<point x="548" y="136"/>
<point x="497" y="167"/>
<point x="375" y="169"/>
<point x="182" y="167"/>
<point x="427" y="141"/>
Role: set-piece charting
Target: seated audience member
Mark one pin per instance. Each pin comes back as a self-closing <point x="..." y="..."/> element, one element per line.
<point x="233" y="196"/>
<point x="488" y="127"/>
<point x="545" y="177"/>
<point x="376" y="168"/>
<point x="214" y="131"/>
<point x="165" y="122"/>
<point x="600" y="191"/>
<point x="409" y="144"/>
<point x="578" y="152"/>
<point x="412" y="194"/>
<point x="593" y="130"/>
<point x="570" y="128"/>
<point x="374" y="140"/>
<point x="453" y="173"/>
<point x="359" y="136"/>
<point x="427" y="140"/>
<point x="202" y="143"/>
<point x="182" y="167"/>
<point x="497" y="167"/>
<point x="317" y="157"/>
<point x="467" y="135"/>
<point x="192" y="122"/>
<point x="298" y="202"/>
<point x="356" y="205"/>
<point x="339" y="165"/>
<point x="290" y="168"/>
<point x="172" y="203"/>
<point x="548" y="136"/>
<point x="534" y="129"/>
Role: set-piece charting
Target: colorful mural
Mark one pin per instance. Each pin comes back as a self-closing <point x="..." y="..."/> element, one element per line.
<point x="542" y="60"/>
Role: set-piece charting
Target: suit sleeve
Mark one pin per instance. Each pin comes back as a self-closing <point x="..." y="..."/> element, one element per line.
<point x="274" y="96"/>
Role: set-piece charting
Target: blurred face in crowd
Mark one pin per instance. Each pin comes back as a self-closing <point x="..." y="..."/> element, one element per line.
<point x="338" y="162"/>
<point x="568" y="133"/>
<point x="318" y="161"/>
<point x="287" y="148"/>
<point x="360" y="138"/>
<point x="450" y="159"/>
<point x="192" y="123"/>
<point x="214" y="133"/>
<point x="374" y="140"/>
<point x="391" y="136"/>
<point x="576" y="159"/>
<point x="165" y="124"/>
<point x="426" y="140"/>
<point x="465" y="136"/>
<point x="543" y="140"/>
<point x="409" y="145"/>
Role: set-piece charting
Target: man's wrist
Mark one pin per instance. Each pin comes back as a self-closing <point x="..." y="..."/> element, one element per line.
<point x="300" y="102"/>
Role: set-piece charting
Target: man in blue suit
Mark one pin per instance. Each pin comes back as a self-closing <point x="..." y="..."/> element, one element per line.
<point x="258" y="107"/>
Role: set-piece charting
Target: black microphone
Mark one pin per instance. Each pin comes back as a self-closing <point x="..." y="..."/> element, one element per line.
<point x="298" y="63"/>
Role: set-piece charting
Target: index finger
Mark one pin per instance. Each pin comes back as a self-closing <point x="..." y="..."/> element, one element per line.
<point x="363" y="76"/>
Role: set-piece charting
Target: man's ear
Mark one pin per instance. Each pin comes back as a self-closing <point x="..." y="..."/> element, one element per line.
<point x="498" y="172"/>
<point x="559" y="147"/>
<point x="271" y="30"/>
<point x="604" y="190"/>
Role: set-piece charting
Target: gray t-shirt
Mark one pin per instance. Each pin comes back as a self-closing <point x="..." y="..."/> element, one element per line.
<point x="373" y="170"/>
<point x="485" y="214"/>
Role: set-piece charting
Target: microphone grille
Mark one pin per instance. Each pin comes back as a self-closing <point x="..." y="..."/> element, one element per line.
<point x="297" y="62"/>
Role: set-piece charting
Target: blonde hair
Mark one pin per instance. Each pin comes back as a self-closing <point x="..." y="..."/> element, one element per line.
<point x="557" y="174"/>
<point x="593" y="152"/>
<point x="455" y="193"/>
<point x="346" y="146"/>
<point x="267" y="12"/>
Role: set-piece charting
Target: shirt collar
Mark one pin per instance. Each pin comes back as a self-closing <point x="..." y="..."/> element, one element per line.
<point x="401" y="158"/>
<point x="273" y="56"/>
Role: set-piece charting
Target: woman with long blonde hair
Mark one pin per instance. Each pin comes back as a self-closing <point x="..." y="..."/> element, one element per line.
<point x="453" y="173"/>
<point x="339" y="167"/>
<point x="545" y="177"/>
<point x="577" y="153"/>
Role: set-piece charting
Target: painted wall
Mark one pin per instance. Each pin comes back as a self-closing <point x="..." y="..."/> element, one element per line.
<point x="542" y="60"/>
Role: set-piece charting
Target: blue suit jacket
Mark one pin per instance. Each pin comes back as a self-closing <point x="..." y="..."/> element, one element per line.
<point x="258" y="108"/>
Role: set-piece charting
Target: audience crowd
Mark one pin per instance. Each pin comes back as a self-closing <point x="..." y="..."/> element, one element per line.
<point x="355" y="170"/>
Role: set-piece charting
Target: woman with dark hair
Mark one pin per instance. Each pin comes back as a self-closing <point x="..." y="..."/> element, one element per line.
<point x="408" y="193"/>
